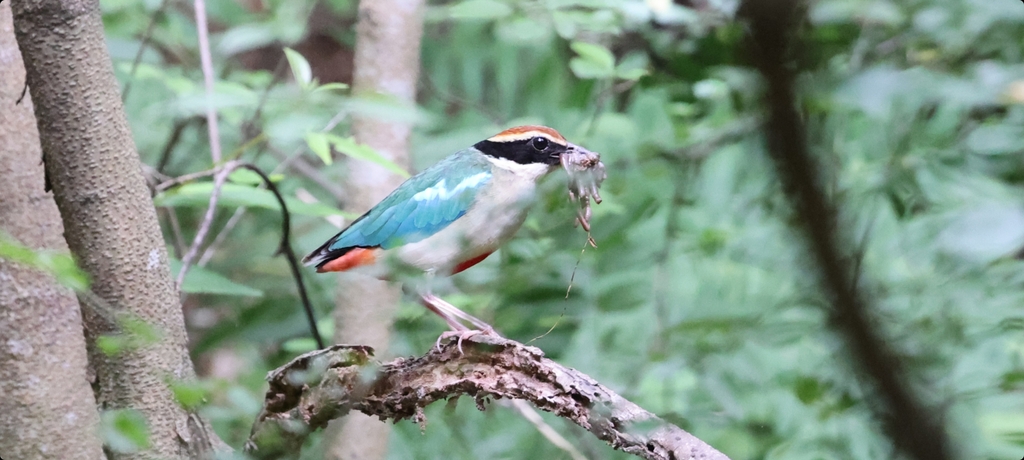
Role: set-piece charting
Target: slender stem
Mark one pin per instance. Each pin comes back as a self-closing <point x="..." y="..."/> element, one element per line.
<point x="169" y="184"/>
<point x="204" y="227"/>
<point x="549" y="433"/>
<point x="146" y="37"/>
<point x="286" y="249"/>
<point x="207" y="65"/>
<point x="221" y="236"/>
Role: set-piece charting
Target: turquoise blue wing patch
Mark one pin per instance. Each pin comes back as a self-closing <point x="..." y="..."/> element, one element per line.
<point x="422" y="206"/>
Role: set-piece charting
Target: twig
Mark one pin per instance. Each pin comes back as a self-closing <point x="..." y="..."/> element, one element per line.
<point x="427" y="83"/>
<point x="221" y="236"/>
<point x="284" y="247"/>
<point x="172" y="141"/>
<point x="207" y="64"/>
<point x="320" y="386"/>
<point x="549" y="433"/>
<point x="734" y="131"/>
<point x="287" y="162"/>
<point x="611" y="89"/>
<point x="204" y="226"/>
<point x="146" y="36"/>
<point x="179" y="240"/>
<point x="301" y="166"/>
<point x="180" y="180"/>
<point x="249" y="130"/>
<point x="912" y="426"/>
<point x="24" y="91"/>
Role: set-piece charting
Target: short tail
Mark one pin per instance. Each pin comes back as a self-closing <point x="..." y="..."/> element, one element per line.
<point x="323" y="256"/>
<point x="320" y="255"/>
<point x="339" y="260"/>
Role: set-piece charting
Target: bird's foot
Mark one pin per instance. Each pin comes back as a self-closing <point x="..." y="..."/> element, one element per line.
<point x="463" y="335"/>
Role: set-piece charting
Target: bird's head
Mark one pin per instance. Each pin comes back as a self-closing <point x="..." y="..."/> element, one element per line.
<point x="530" y="146"/>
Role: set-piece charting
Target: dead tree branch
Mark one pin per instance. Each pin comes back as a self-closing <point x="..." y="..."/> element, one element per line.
<point x="323" y="385"/>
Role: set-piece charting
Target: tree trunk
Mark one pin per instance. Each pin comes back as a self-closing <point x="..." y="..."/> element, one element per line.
<point x="387" y="61"/>
<point x="48" y="407"/>
<point x="109" y="220"/>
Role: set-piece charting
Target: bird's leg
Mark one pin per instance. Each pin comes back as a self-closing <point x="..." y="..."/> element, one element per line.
<point x="454" y="311"/>
<point x="451" y="315"/>
<point x="430" y="301"/>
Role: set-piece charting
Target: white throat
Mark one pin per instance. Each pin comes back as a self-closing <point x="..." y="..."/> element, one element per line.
<point x="531" y="171"/>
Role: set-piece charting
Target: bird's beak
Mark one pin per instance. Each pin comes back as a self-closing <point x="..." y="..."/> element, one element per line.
<point x="575" y="148"/>
<point x="572" y="149"/>
<point x="579" y="156"/>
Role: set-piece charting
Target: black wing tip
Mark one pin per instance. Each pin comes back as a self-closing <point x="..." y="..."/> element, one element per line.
<point x="323" y="254"/>
<point x="308" y="260"/>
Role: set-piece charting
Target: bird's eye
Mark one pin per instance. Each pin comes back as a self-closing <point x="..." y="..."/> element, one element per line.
<point x="540" y="143"/>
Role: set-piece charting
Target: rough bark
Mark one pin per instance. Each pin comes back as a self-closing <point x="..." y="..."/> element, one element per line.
<point x="316" y="387"/>
<point x="42" y="347"/>
<point x="109" y="220"/>
<point x="387" y="61"/>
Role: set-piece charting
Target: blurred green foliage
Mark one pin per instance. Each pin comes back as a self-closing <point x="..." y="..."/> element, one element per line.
<point x="124" y="430"/>
<point x="699" y="303"/>
<point x="61" y="266"/>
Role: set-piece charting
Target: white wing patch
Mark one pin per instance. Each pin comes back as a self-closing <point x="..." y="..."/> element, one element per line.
<point x="440" y="189"/>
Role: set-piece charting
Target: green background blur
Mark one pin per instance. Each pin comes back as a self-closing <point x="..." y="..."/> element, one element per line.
<point x="699" y="303"/>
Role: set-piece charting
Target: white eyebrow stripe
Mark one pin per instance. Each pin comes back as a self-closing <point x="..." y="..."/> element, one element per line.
<point x="440" y="189"/>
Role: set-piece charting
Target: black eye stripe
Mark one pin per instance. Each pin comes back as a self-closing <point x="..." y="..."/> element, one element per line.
<point x="523" y="151"/>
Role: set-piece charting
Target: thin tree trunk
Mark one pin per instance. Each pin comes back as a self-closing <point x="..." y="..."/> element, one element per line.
<point x="109" y="220"/>
<point x="49" y="411"/>
<point x="387" y="61"/>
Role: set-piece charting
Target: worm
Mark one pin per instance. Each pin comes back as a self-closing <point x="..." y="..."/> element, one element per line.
<point x="586" y="173"/>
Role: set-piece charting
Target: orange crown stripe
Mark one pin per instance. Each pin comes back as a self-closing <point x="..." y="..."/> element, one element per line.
<point x="526" y="132"/>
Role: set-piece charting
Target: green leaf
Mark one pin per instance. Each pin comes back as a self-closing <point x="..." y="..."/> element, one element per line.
<point x="318" y="143"/>
<point x="479" y="10"/>
<point x="245" y="176"/>
<point x="200" y="280"/>
<point x="598" y="55"/>
<point x="588" y="69"/>
<point x="299" y="345"/>
<point x="190" y="395"/>
<point x="124" y="430"/>
<point x="632" y="67"/>
<point x="985" y="232"/>
<point x="333" y="86"/>
<point x="348" y="146"/>
<point x="996" y="140"/>
<point x="135" y="333"/>
<point x="630" y="74"/>
<point x="300" y="67"/>
<point x="140" y="331"/>
<point x="112" y="344"/>
<point x="60" y="265"/>
<point x="245" y="37"/>
<point x="238" y="195"/>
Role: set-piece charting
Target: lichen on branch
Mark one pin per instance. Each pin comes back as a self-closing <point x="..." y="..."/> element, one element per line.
<point x="322" y="385"/>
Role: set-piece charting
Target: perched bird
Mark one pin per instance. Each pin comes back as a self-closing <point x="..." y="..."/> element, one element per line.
<point x="452" y="215"/>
